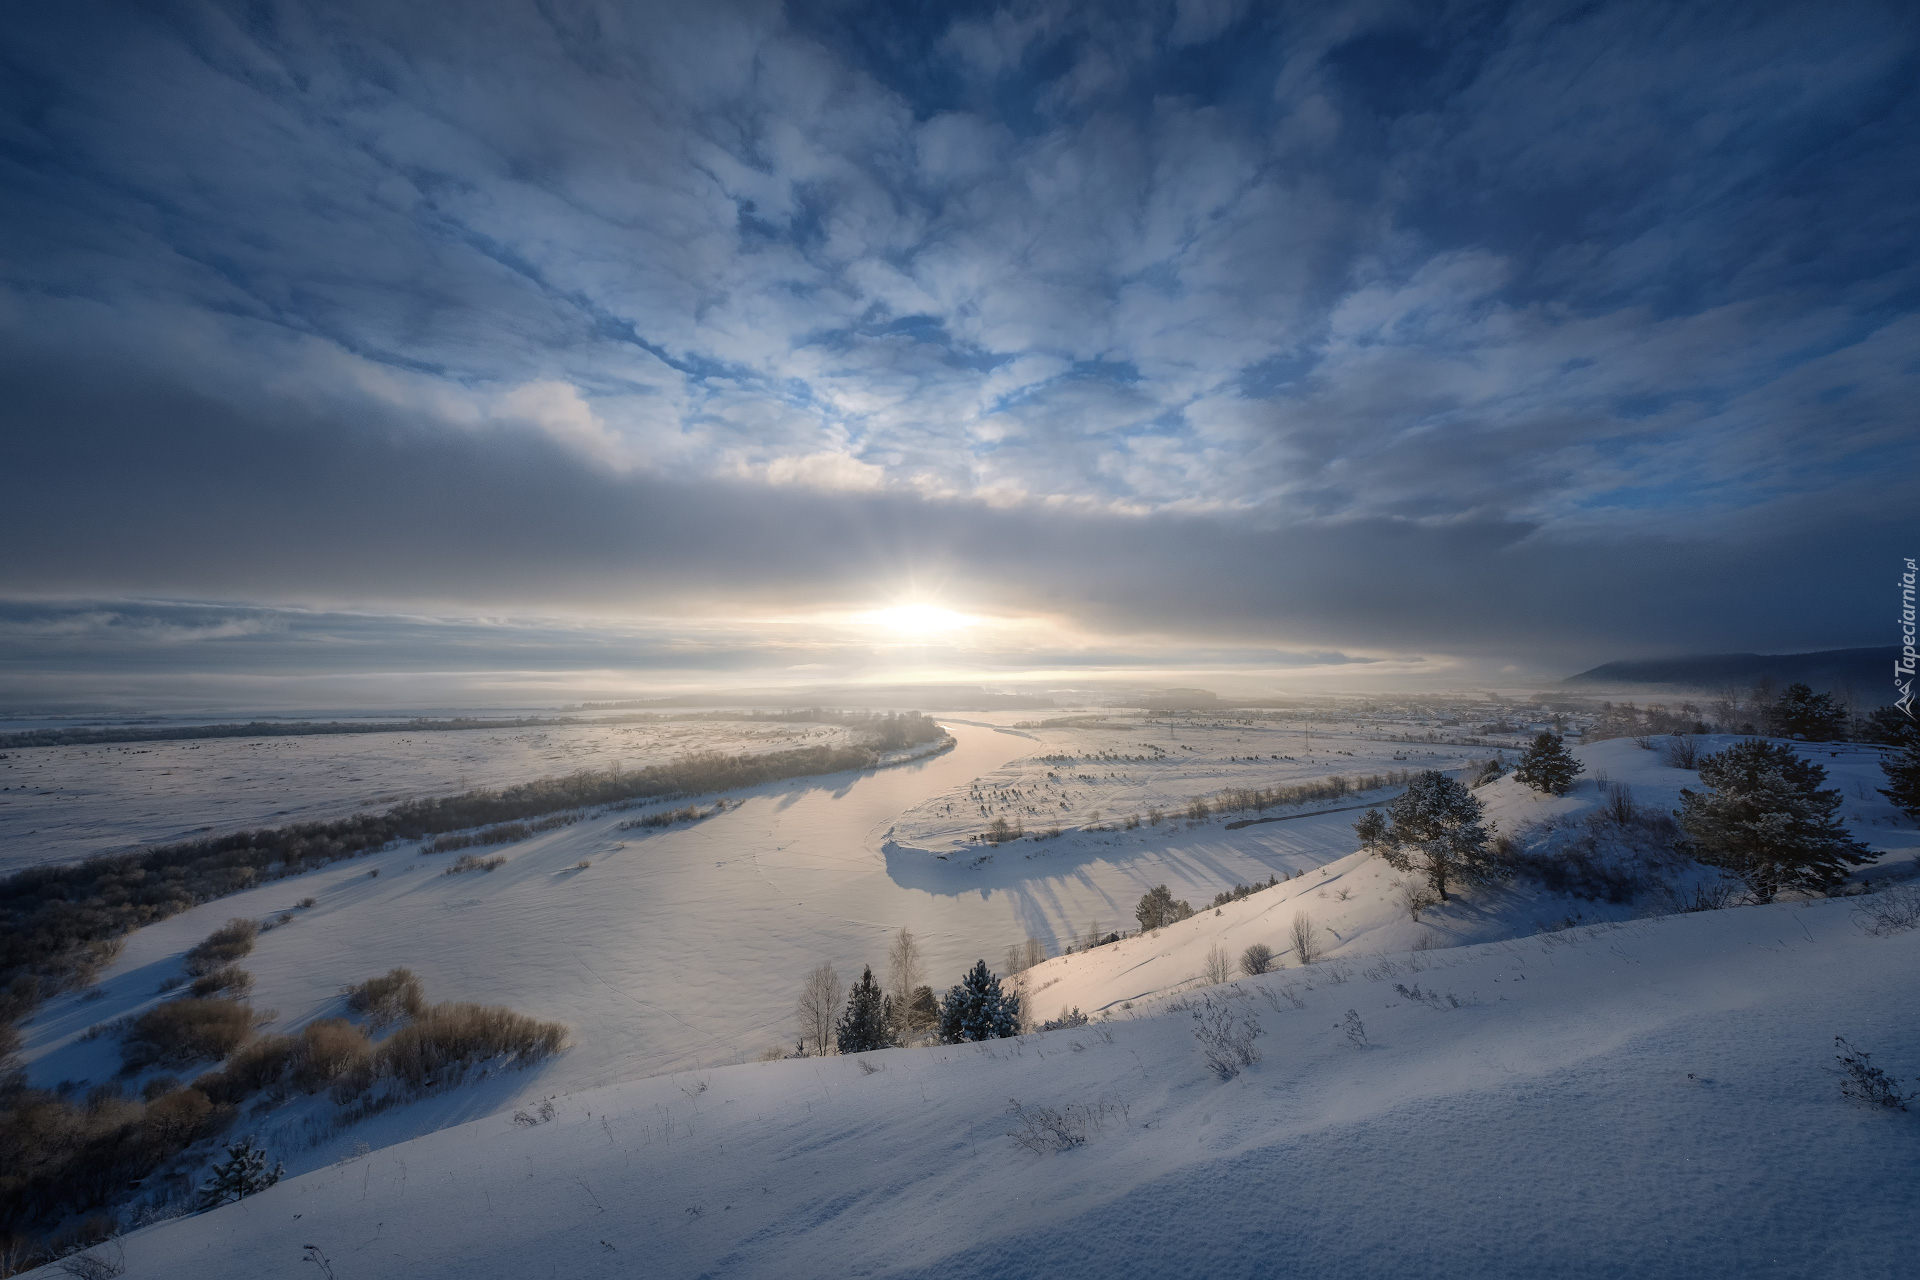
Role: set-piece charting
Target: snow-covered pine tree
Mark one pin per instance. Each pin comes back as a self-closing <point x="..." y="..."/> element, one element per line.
<point x="1767" y="820"/>
<point x="1435" y="831"/>
<point x="1801" y="713"/>
<point x="1903" y="778"/>
<point x="1371" y="828"/>
<point x="868" y="1020"/>
<point x="976" y="1009"/>
<point x="244" y="1172"/>
<point x="1548" y="766"/>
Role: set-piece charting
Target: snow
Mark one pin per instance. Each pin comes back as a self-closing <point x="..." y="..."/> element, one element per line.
<point x="1353" y="903"/>
<point x="685" y="946"/>
<point x="1541" y="1121"/>
<point x="1626" y="1099"/>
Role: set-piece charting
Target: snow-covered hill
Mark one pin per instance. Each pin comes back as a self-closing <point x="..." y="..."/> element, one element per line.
<point x="1357" y="909"/>
<point x="1641" y="1099"/>
<point x="1549" y="1021"/>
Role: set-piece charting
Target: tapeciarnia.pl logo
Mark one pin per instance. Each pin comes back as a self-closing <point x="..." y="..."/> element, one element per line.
<point x="1903" y="666"/>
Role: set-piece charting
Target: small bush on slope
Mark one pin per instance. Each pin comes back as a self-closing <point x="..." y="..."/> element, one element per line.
<point x="1226" y="1037"/>
<point x="447" y="1038"/>
<point x="1861" y="1081"/>
<point x="228" y="979"/>
<point x="1256" y="959"/>
<point x="395" y="994"/>
<point x="231" y="941"/>
<point x="1889" y="912"/>
<point x="185" y="1031"/>
<point x="1044" y="1129"/>
<point x="259" y="1064"/>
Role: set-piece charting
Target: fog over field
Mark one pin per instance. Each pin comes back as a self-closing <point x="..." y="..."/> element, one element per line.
<point x="1016" y="637"/>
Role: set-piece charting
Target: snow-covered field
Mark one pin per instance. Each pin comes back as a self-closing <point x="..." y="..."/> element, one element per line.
<point x="1541" y="1122"/>
<point x="1643" y="1099"/>
<point x="58" y="804"/>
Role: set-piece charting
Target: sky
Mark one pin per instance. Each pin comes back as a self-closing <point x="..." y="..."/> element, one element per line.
<point x="352" y="351"/>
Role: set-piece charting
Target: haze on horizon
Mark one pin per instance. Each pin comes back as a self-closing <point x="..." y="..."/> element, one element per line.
<point x="358" y="355"/>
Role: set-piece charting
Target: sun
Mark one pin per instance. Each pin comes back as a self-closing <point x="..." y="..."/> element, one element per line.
<point x="920" y="619"/>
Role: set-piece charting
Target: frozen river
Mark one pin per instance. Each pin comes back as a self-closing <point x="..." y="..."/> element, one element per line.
<point x="687" y="946"/>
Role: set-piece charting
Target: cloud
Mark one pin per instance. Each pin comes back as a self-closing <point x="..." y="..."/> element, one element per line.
<point x="1556" y="330"/>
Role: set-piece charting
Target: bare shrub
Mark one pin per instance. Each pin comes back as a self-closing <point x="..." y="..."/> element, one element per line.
<point x="1218" y="968"/>
<point x="1861" y="1081"/>
<point x="1044" y="1129"/>
<point x="186" y="1031"/>
<point x="472" y="862"/>
<point x="1415" y="897"/>
<point x="158" y="1087"/>
<point x="393" y="995"/>
<point x="1428" y="941"/>
<point x="1889" y="912"/>
<point x="229" y="979"/>
<point x="1305" y="945"/>
<point x="1068" y="1019"/>
<point x="262" y="1063"/>
<point x="308" y="903"/>
<point x="231" y="941"/>
<point x="328" y="1050"/>
<point x="101" y="1264"/>
<point x="174" y="1119"/>
<point x="448" y="1038"/>
<point x="1356" y="1030"/>
<point x="1226" y="1037"/>
<point x="1619" y="807"/>
<point x="1256" y="959"/>
<point x="1683" y="751"/>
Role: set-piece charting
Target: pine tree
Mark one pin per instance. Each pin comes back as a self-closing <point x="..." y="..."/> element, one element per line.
<point x="1891" y="727"/>
<point x="976" y="1009"/>
<point x="868" y="1020"/>
<point x="1435" y="830"/>
<point x="1903" y="778"/>
<point x="244" y="1173"/>
<point x="1768" y="821"/>
<point x="1371" y="828"/>
<point x="1801" y="713"/>
<point x="1159" y="907"/>
<point x="1548" y="766"/>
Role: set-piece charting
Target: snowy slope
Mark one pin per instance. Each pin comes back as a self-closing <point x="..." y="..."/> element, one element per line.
<point x="1356" y="910"/>
<point x="1643" y="1099"/>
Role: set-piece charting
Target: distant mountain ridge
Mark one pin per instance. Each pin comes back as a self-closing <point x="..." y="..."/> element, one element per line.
<point x="1867" y="672"/>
